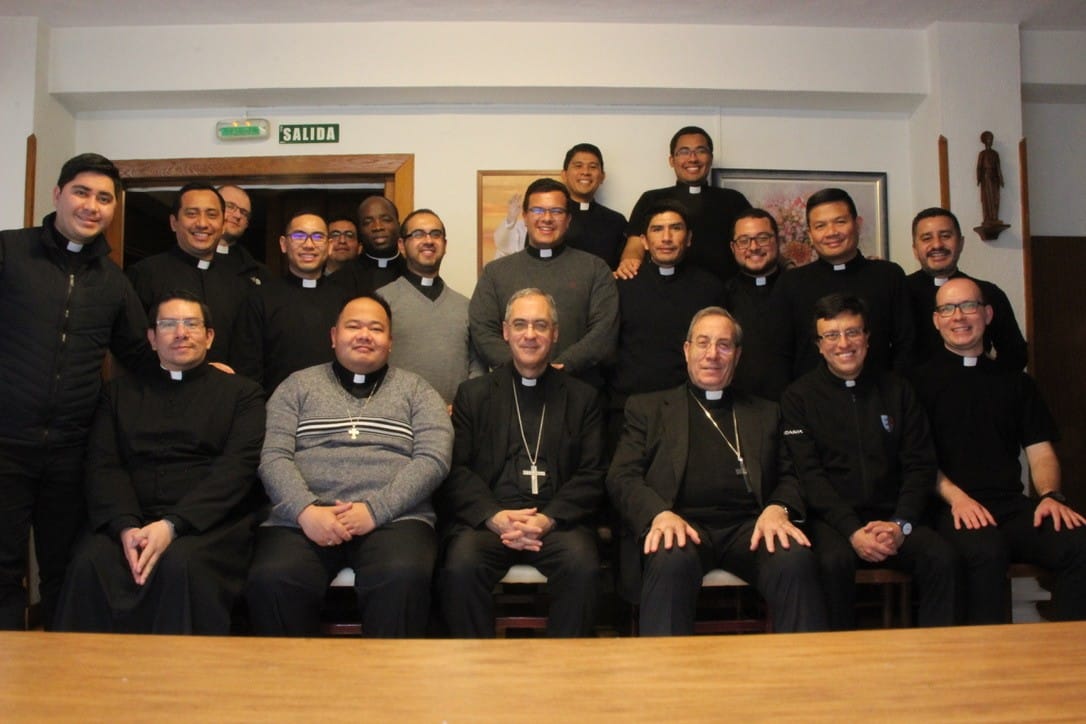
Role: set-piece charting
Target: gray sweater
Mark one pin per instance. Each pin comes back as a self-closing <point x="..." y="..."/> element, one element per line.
<point x="398" y="459"/>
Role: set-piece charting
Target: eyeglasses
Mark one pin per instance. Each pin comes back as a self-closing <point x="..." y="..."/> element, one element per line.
<point x="850" y="334"/>
<point x="300" y="237"/>
<point x="333" y="235"/>
<point x="685" y="152"/>
<point x="557" y="211"/>
<point x="764" y="239"/>
<point x="541" y="326"/>
<point x="231" y="207"/>
<point x="947" y="310"/>
<point x="723" y="346"/>
<point x="420" y="234"/>
<point x="191" y="324"/>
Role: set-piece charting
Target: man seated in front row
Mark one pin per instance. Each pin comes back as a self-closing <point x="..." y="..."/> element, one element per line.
<point x="983" y="414"/>
<point x="865" y="459"/>
<point x="171" y="488"/>
<point x="701" y="482"/>
<point x="353" y="451"/>
<point x="527" y="476"/>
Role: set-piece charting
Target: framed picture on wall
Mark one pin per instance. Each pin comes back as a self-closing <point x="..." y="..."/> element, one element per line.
<point x="784" y="194"/>
<point x="501" y="228"/>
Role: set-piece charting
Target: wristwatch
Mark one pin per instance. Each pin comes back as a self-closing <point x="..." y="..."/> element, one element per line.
<point x="906" y="526"/>
<point x="1055" y="495"/>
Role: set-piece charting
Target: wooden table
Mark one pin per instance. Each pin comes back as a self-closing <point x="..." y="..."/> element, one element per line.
<point x="1024" y="672"/>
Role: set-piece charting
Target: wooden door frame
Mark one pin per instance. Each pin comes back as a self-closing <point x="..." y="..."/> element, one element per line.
<point x="394" y="171"/>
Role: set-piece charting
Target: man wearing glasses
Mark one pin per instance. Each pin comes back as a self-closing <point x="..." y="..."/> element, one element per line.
<point x="229" y="252"/>
<point x="581" y="284"/>
<point x="983" y="415"/>
<point x="197" y="220"/>
<point x="712" y="210"/>
<point x="866" y="463"/>
<point x="344" y="245"/>
<point x="756" y="246"/>
<point x="432" y="335"/>
<point x="283" y="325"/>
<point x="171" y="490"/>
<point x="840" y="267"/>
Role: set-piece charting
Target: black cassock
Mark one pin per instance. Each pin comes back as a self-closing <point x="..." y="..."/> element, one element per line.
<point x="186" y="450"/>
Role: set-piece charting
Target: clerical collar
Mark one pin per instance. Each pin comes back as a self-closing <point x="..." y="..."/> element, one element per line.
<point x="383" y="262"/>
<point x="859" y="382"/>
<point x="74" y="247"/>
<point x="666" y="271"/>
<point x="691" y="188"/>
<point x="843" y="266"/>
<point x="711" y="399"/>
<point x="548" y="253"/>
<point x="297" y="281"/>
<point x="940" y="281"/>
<point x="969" y="361"/>
<point x="530" y="381"/>
<point x="193" y="261"/>
<point x="429" y="287"/>
<point x="358" y="385"/>
<point x="759" y="280"/>
<point x="584" y="205"/>
<point x="850" y="383"/>
<point x="222" y="248"/>
<point x="182" y="375"/>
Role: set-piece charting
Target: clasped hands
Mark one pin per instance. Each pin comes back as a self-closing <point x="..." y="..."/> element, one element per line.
<point x="877" y="541"/>
<point x="521" y="530"/>
<point x="144" y="546"/>
<point x="330" y="525"/>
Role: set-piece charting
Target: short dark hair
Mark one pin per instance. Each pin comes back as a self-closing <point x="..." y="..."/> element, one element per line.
<point x="89" y="163"/>
<point x="830" y="196"/>
<point x="372" y="296"/>
<point x="689" y="131"/>
<point x="545" y="186"/>
<point x="933" y="211"/>
<point x="665" y="206"/>
<point x="387" y="200"/>
<point x="184" y="295"/>
<point x="196" y="186"/>
<point x="300" y="212"/>
<point x="415" y="213"/>
<point x="583" y="148"/>
<point x="756" y="213"/>
<point x="832" y="305"/>
<point x="343" y="217"/>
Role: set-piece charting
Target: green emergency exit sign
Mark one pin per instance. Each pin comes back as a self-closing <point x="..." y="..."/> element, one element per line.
<point x="309" y="133"/>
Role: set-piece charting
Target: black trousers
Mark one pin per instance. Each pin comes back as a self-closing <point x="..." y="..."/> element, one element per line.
<point x="987" y="552"/>
<point x="40" y="487"/>
<point x="476" y="560"/>
<point x="787" y="579"/>
<point x="924" y="554"/>
<point x="393" y="566"/>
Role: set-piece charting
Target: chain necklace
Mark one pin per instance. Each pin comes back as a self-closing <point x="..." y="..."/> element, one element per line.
<point x="533" y="472"/>
<point x="354" y="432"/>
<point x="741" y="471"/>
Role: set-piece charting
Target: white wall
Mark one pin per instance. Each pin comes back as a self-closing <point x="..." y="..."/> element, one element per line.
<point x="1057" y="168"/>
<point x="17" y="65"/>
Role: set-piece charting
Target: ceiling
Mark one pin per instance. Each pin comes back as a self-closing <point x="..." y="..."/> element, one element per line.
<point x="893" y="14"/>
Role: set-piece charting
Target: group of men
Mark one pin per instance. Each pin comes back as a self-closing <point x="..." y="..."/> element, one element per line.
<point x="789" y="426"/>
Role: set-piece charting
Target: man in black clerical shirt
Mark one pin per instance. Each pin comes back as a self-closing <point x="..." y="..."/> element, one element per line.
<point x="379" y="231"/>
<point x="655" y="307"/>
<point x="711" y="209"/>
<point x="701" y="481"/>
<point x="866" y="463"/>
<point x="592" y="226"/>
<point x="343" y="244"/>
<point x="840" y="267"/>
<point x="171" y="490"/>
<point x="283" y="325"/>
<point x="756" y="246"/>
<point x="983" y="416"/>
<point x="937" y="245"/>
<point x="527" y="477"/>
<point x="230" y="251"/>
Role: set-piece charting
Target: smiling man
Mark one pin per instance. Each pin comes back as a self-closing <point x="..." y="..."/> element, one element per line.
<point x="866" y="463"/>
<point x="701" y="482"/>
<point x="344" y="245"/>
<point x="197" y="220"/>
<point x="64" y="304"/>
<point x="353" y="451"/>
<point x="592" y="227"/>
<point x="527" y="478"/>
<point x="379" y="233"/>
<point x="581" y="284"/>
<point x="171" y="487"/>
<point x="711" y="209"/>
<point x="283" y="325"/>
<point x="432" y="334"/>
<point x="230" y="252"/>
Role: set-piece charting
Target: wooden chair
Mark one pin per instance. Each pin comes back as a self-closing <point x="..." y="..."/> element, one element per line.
<point x="723" y="591"/>
<point x="520" y="610"/>
<point x="888" y="579"/>
<point x="1025" y="570"/>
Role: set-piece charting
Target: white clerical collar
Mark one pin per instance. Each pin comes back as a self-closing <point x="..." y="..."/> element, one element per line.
<point x="666" y="271"/>
<point x="585" y="205"/>
<point x="222" y="248"/>
<point x="546" y="253"/>
<point x="74" y="247"/>
<point x="713" y="395"/>
<point x="359" y="379"/>
<point x="383" y="262"/>
<point x="840" y="267"/>
<point x="759" y="281"/>
<point x="694" y="189"/>
<point x="850" y="383"/>
<point x="940" y="281"/>
<point x="175" y="374"/>
<point x="309" y="283"/>
<point x="529" y="381"/>
<point x="969" y="361"/>
<point x="426" y="281"/>
<point x="203" y="264"/>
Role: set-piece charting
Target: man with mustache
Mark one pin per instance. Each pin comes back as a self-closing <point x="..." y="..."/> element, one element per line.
<point x="345" y="247"/>
<point x="937" y="245"/>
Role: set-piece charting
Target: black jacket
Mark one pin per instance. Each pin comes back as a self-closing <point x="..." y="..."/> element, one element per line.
<point x="62" y="312"/>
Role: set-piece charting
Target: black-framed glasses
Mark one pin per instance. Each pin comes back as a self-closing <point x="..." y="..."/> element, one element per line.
<point x="420" y="234"/>
<point x="970" y="307"/>
<point x="333" y="235"/>
<point x="232" y="207"/>
<point x="763" y="240"/>
<point x="835" y="336"/>
<point x="685" y="152"/>
<point x="300" y="237"/>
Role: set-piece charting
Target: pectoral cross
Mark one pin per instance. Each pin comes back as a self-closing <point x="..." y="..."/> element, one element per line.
<point x="535" y="474"/>
<point x="741" y="471"/>
<point x="354" y="433"/>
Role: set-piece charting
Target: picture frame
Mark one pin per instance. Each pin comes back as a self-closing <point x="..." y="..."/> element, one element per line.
<point x="784" y="194"/>
<point x="498" y="192"/>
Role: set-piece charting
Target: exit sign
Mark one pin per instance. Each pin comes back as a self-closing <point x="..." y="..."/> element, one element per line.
<point x="309" y="133"/>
